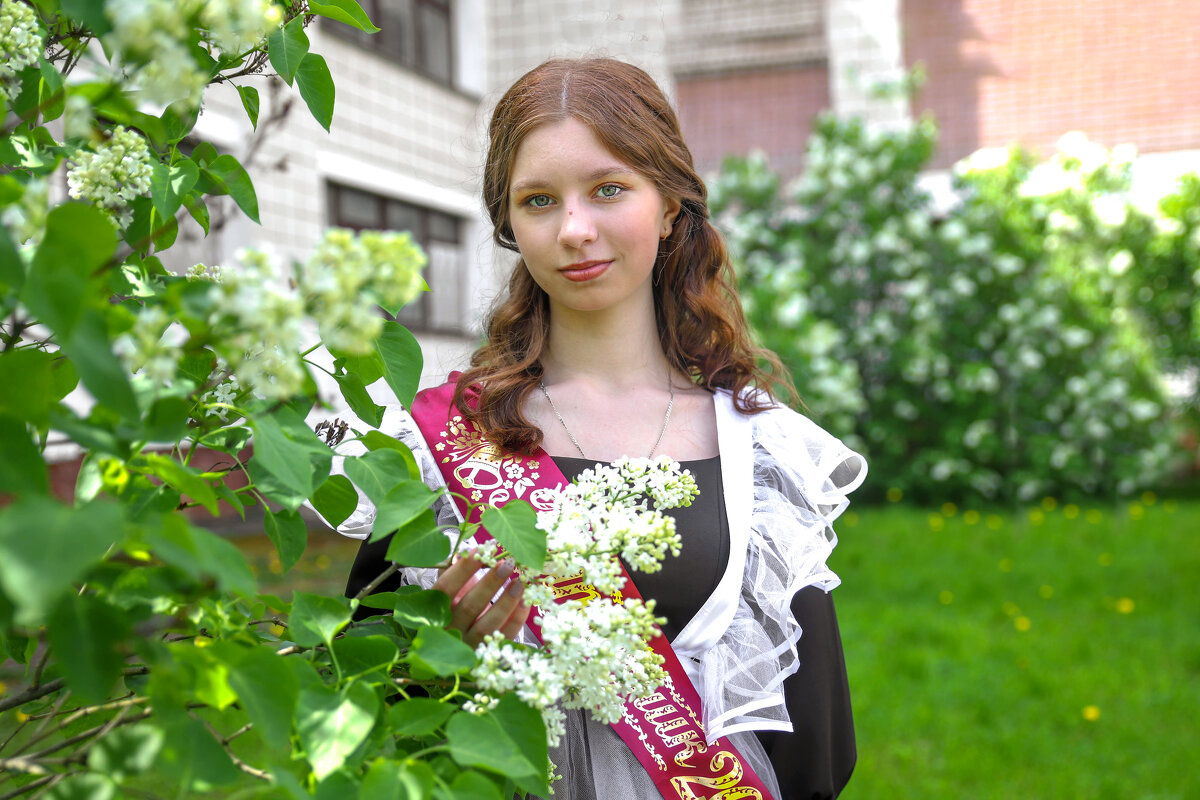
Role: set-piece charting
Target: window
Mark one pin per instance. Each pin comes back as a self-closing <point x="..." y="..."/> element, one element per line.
<point x="439" y="309"/>
<point x="415" y="33"/>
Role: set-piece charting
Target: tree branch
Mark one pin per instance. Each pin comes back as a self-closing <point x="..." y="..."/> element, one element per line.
<point x="34" y="692"/>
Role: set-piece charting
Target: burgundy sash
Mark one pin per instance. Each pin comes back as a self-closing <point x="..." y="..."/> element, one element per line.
<point x="663" y="730"/>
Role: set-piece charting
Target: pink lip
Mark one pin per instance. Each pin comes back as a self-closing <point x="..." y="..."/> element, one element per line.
<point x="584" y="270"/>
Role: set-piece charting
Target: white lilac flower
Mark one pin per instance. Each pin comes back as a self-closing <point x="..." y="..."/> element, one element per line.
<point x="20" y="44"/>
<point x="1076" y="146"/>
<point x="1121" y="261"/>
<point x="26" y="219"/>
<point x="347" y="274"/>
<point x="148" y="349"/>
<point x="1112" y="210"/>
<point x="114" y="173"/>
<point x="150" y="37"/>
<point x="238" y="25"/>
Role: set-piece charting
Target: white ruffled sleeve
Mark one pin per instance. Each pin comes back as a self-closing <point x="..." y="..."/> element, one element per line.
<point x="800" y="476"/>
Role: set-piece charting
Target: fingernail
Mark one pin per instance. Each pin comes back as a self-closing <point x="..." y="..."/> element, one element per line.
<point x="515" y="589"/>
<point x="505" y="568"/>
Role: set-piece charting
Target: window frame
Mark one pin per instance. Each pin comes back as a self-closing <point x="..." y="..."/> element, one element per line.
<point x="416" y="60"/>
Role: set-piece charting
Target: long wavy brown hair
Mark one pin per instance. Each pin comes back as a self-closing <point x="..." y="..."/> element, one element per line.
<point x="699" y="317"/>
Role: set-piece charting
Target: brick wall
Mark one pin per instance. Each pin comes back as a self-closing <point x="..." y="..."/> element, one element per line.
<point x="1000" y="71"/>
<point x="769" y="110"/>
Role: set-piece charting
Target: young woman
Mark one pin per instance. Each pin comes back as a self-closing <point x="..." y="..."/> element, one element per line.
<point x="621" y="335"/>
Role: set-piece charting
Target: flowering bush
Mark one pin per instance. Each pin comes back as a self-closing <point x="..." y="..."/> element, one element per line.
<point x="999" y="351"/>
<point x="137" y="656"/>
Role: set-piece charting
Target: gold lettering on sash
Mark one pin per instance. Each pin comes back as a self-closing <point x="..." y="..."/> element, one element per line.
<point x="662" y="728"/>
<point x="648" y="700"/>
<point x="692" y="744"/>
<point x="726" y="785"/>
<point x="663" y="711"/>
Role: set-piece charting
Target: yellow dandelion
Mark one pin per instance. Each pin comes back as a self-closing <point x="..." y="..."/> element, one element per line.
<point x="1149" y="498"/>
<point x="277" y="629"/>
<point x="995" y="522"/>
<point x="1070" y="511"/>
<point x="1036" y="516"/>
<point x="1125" y="606"/>
<point x="1010" y="609"/>
<point x="949" y="509"/>
<point x="1005" y="565"/>
<point x="1137" y="510"/>
<point x="850" y="519"/>
<point x="1105" y="559"/>
<point x="1091" y="713"/>
<point x="1046" y="591"/>
<point x="936" y="523"/>
<point x="971" y="517"/>
<point x="21" y="715"/>
<point x="1049" y="503"/>
<point x="894" y="495"/>
<point x="323" y="561"/>
<point x="945" y="597"/>
<point x="1022" y="624"/>
<point x="1093" y="516"/>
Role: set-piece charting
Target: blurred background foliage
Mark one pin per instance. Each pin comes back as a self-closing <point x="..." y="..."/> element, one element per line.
<point x="1041" y="337"/>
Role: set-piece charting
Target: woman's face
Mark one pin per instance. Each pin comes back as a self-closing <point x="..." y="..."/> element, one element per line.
<point x="587" y="225"/>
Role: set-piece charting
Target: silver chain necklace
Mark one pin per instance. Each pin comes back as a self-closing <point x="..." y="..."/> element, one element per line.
<point x="657" y="442"/>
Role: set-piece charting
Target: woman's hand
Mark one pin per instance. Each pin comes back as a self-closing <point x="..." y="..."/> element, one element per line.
<point x="472" y="609"/>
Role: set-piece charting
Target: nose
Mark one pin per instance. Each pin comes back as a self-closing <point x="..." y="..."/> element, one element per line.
<point x="576" y="227"/>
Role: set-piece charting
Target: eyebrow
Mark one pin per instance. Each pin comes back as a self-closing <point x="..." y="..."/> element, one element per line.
<point x="595" y="175"/>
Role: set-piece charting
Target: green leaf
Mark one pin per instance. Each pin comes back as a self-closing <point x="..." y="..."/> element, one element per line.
<point x="316" y="619"/>
<point x="179" y="119"/>
<point x="51" y="97"/>
<point x="177" y="476"/>
<point x="126" y="751"/>
<point x="84" y="631"/>
<point x="400" y="506"/>
<point x="316" y="87"/>
<point x="83" y="786"/>
<point x="525" y="727"/>
<point x="286" y="47"/>
<point x="79" y="240"/>
<point x="332" y="724"/>
<point x="423" y="607"/>
<point x="250" y="102"/>
<point x="397" y="780"/>
<point x="376" y="440"/>
<point x="289" y="535"/>
<point x="102" y="373"/>
<point x="12" y="266"/>
<point x="347" y="11"/>
<point x="514" y="525"/>
<point x="191" y="758"/>
<point x="359" y="655"/>
<point x="369" y="367"/>
<point x="402" y="361"/>
<point x="359" y="400"/>
<point x="437" y="652"/>
<point x="199" y="211"/>
<point x="419" y="716"/>
<point x="232" y="178"/>
<point x="45" y="547"/>
<point x="377" y="473"/>
<point x="90" y="13"/>
<point x="335" y="499"/>
<point x="44" y="378"/>
<point x="22" y="469"/>
<point x="267" y="689"/>
<point x="472" y="786"/>
<point x="166" y="420"/>
<point x="420" y="543"/>
<point x="201" y="554"/>
<point x="281" y="456"/>
<point x="170" y="184"/>
<point x="480" y="741"/>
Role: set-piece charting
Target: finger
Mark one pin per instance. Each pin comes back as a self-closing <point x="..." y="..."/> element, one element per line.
<point x="477" y="599"/>
<point x="454" y="577"/>
<point x="494" y="617"/>
<point x="516" y="620"/>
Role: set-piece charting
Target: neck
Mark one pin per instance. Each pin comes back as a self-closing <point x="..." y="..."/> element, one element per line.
<point x="617" y="351"/>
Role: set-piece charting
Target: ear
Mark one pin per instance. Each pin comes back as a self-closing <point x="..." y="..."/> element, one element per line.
<point x="670" y="212"/>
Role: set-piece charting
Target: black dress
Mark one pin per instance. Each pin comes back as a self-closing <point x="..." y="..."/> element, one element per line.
<point x="814" y="761"/>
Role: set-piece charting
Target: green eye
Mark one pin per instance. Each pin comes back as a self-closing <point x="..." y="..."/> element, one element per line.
<point x="609" y="191"/>
<point x="538" y="201"/>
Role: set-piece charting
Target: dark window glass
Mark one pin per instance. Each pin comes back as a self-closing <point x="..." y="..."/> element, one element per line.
<point x="415" y="33"/>
<point x="433" y="230"/>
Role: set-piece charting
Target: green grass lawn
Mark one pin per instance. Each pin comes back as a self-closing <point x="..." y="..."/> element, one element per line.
<point x="1049" y="653"/>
